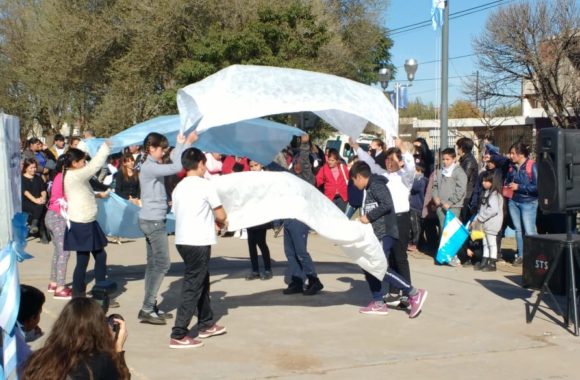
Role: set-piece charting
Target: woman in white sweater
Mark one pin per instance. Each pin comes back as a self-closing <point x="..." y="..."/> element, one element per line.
<point x="84" y="234"/>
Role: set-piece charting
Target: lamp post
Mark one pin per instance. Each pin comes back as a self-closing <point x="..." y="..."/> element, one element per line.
<point x="385" y="74"/>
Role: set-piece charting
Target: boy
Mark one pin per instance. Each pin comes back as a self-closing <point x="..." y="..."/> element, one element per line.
<point x="416" y="200"/>
<point x="197" y="208"/>
<point x="378" y="209"/>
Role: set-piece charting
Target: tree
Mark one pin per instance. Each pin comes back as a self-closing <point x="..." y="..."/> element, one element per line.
<point x="419" y="110"/>
<point x="463" y="109"/>
<point x="534" y="44"/>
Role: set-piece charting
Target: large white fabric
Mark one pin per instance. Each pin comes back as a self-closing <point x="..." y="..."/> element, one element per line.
<point x="254" y="198"/>
<point x="10" y="183"/>
<point x="242" y="92"/>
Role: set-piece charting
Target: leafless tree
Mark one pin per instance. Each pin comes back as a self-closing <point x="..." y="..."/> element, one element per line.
<point x="535" y="45"/>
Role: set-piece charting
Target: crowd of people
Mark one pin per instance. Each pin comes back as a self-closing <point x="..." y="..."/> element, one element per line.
<point x="405" y="192"/>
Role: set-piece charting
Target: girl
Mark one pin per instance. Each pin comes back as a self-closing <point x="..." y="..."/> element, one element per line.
<point x="490" y="215"/>
<point x="34" y="198"/>
<point x="334" y="177"/>
<point x="82" y="347"/>
<point x="84" y="234"/>
<point x="152" y="217"/>
<point x="127" y="180"/>
<point x="56" y="224"/>
<point x="257" y="238"/>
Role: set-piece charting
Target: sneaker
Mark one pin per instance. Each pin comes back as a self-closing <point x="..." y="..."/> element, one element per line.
<point x="185" y="342"/>
<point x="51" y="288"/>
<point x="454" y="262"/>
<point x="294" y="287"/>
<point x="151" y="317"/>
<point x="375" y="307"/>
<point x="212" y="331"/>
<point x="64" y="294"/>
<point x="253" y="276"/>
<point x="404" y="304"/>
<point x="162" y="314"/>
<point x="417" y="302"/>
<point x="314" y="286"/>
<point x="266" y="275"/>
<point x="518" y="261"/>
<point x="392" y="299"/>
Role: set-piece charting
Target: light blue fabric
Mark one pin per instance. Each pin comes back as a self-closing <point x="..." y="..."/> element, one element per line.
<point x="119" y="217"/>
<point x="452" y="239"/>
<point x="257" y="139"/>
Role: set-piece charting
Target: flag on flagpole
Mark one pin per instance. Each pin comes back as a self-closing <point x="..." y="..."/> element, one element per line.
<point x="403" y="97"/>
<point x="437" y="13"/>
<point x="453" y="236"/>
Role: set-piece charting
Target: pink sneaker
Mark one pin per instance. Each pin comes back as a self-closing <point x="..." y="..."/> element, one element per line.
<point x="212" y="331"/>
<point x="185" y="342"/>
<point x="51" y="288"/>
<point x="375" y="307"/>
<point x="65" y="294"/>
<point x="417" y="302"/>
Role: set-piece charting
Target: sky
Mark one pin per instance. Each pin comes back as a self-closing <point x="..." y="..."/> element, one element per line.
<point x="424" y="45"/>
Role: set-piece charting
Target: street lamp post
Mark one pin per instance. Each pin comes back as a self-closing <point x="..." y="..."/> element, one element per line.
<point x="385" y="74"/>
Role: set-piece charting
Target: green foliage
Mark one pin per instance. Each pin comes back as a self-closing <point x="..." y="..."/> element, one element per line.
<point x="419" y="110"/>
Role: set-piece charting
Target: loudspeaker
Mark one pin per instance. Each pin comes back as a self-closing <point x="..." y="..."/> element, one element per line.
<point x="540" y="252"/>
<point x="558" y="161"/>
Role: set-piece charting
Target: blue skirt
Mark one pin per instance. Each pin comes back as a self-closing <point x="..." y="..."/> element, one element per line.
<point x="84" y="237"/>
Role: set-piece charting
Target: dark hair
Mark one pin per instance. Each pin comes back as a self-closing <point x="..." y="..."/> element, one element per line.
<point x="495" y="178"/>
<point x="427" y="154"/>
<point x="521" y="148"/>
<point x="74" y="138"/>
<point x="31" y="301"/>
<point x="28" y="162"/>
<point x="191" y="157"/>
<point x="58" y="137"/>
<point x="73" y="155"/>
<point x="360" y="167"/>
<point x="333" y="152"/>
<point x="490" y="139"/>
<point x="238" y="167"/>
<point x="420" y="167"/>
<point x="380" y="143"/>
<point x="153" y="140"/>
<point x="465" y="144"/>
<point x="82" y="333"/>
<point x="448" y="152"/>
<point x="396" y="151"/>
<point x="124" y="159"/>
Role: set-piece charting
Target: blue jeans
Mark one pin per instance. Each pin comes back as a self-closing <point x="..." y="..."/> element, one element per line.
<point x="523" y="215"/>
<point x="300" y="263"/>
<point x="350" y="211"/>
<point x="158" y="262"/>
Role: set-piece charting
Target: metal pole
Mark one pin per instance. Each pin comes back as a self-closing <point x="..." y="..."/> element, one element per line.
<point x="397" y="87"/>
<point x="444" y="137"/>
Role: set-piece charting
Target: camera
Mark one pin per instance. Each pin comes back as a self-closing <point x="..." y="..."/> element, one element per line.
<point x="114" y="324"/>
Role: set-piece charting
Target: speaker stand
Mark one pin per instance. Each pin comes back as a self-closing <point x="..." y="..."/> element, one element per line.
<point x="572" y="261"/>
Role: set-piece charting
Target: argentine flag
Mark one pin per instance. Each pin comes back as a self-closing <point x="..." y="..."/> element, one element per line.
<point x="437" y="13"/>
<point x="453" y="236"/>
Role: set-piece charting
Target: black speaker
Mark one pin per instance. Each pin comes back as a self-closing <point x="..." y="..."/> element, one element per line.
<point x="558" y="161"/>
<point x="540" y="252"/>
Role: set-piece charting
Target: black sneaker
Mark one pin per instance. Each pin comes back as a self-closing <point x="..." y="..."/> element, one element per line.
<point x="266" y="275"/>
<point x="253" y="276"/>
<point x="314" y="286"/>
<point x="151" y="317"/>
<point x="392" y="299"/>
<point x="162" y="314"/>
<point x="518" y="261"/>
<point x="294" y="287"/>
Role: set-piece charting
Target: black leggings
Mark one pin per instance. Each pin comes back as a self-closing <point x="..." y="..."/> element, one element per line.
<point x="79" y="285"/>
<point x="257" y="238"/>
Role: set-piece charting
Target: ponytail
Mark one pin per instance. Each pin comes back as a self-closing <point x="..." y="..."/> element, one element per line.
<point x="153" y="140"/>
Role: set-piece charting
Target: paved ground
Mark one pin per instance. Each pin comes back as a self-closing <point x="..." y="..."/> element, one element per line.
<point x="473" y="325"/>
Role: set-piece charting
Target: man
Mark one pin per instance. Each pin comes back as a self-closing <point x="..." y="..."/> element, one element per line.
<point x="34" y="150"/>
<point x="57" y="149"/>
<point x="469" y="165"/>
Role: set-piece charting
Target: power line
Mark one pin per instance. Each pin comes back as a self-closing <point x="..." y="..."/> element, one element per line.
<point x="438" y="60"/>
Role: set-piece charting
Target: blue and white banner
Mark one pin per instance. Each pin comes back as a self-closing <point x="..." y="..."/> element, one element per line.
<point x="10" y="164"/>
<point x="452" y="239"/>
<point x="437" y="9"/>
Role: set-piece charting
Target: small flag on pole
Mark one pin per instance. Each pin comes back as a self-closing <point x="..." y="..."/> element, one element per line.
<point x="437" y="13"/>
<point x="453" y="236"/>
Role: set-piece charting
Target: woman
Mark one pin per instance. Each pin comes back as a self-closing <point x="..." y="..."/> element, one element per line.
<point x="127" y="180"/>
<point x="334" y="177"/>
<point x="84" y="235"/>
<point x="34" y="198"/>
<point x="82" y="347"/>
<point x="521" y="188"/>
<point x="56" y="223"/>
<point x="152" y="217"/>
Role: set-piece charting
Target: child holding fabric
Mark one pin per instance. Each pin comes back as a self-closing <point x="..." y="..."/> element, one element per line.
<point x="490" y="215"/>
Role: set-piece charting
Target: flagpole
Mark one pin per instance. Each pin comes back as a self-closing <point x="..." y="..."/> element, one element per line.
<point x="444" y="136"/>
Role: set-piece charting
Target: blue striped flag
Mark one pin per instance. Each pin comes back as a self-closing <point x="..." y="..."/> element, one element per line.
<point x="453" y="236"/>
<point x="437" y="13"/>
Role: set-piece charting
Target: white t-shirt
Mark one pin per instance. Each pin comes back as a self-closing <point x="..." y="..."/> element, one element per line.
<point x="194" y="199"/>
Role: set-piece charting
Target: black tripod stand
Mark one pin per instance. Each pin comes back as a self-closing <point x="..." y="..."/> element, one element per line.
<point x="572" y="262"/>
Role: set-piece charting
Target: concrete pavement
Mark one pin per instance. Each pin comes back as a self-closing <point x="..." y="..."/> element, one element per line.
<point x="472" y="327"/>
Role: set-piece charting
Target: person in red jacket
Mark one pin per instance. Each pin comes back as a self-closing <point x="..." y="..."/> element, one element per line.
<point x="334" y="177"/>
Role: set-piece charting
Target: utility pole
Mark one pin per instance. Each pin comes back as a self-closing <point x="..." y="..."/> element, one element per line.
<point x="444" y="136"/>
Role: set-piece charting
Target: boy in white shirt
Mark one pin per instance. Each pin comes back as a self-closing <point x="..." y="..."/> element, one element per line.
<point x="197" y="208"/>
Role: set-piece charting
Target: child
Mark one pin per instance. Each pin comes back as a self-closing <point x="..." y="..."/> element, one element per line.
<point x="334" y="178"/>
<point x="378" y="209"/>
<point x="257" y="238"/>
<point x="31" y="302"/>
<point x="416" y="201"/>
<point x="197" y="208"/>
<point x="449" y="188"/>
<point x="490" y="215"/>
